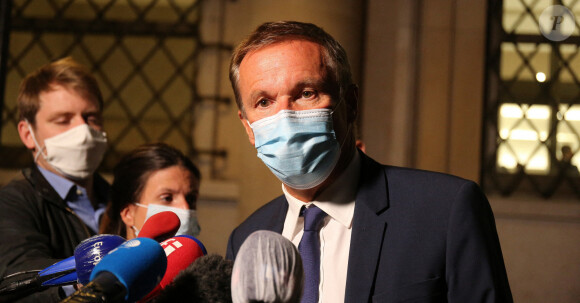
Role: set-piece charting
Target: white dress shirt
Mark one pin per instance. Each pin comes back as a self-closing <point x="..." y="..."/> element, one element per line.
<point x="337" y="201"/>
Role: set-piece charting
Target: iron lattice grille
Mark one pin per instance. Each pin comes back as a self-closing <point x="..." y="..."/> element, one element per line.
<point x="143" y="52"/>
<point x="532" y="103"/>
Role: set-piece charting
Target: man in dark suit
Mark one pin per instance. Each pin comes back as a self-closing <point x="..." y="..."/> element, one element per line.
<point x="387" y="234"/>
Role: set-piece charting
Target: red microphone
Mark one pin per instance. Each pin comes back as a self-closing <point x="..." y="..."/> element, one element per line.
<point x="160" y="226"/>
<point x="181" y="251"/>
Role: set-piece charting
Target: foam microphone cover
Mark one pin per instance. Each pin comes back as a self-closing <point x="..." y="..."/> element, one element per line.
<point x="138" y="264"/>
<point x="90" y="252"/>
<point x="207" y="279"/>
<point x="196" y="241"/>
<point x="160" y="226"/>
<point x="181" y="251"/>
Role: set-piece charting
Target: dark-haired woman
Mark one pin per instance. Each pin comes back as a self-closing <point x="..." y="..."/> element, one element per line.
<point x="151" y="179"/>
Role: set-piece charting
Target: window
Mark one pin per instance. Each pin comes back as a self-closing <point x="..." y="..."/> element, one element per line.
<point x="532" y="106"/>
<point x="145" y="55"/>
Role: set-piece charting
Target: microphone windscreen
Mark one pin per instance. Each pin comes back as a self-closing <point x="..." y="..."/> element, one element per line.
<point x="138" y="264"/>
<point x="161" y="226"/>
<point x="181" y="251"/>
<point x="207" y="279"/>
<point x="267" y="268"/>
<point x="90" y="252"/>
<point x="196" y="241"/>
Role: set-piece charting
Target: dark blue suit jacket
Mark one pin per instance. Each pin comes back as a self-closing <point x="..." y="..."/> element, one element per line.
<point x="417" y="236"/>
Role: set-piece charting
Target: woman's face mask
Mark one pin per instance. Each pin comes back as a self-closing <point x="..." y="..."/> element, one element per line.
<point x="188" y="217"/>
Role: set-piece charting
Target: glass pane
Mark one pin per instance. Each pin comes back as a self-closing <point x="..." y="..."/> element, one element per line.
<point x="568" y="133"/>
<point x="532" y="133"/>
<point x="523" y="61"/>
<point x="142" y="52"/>
<point x="570" y="56"/>
<point x="520" y="17"/>
<point x="523" y="128"/>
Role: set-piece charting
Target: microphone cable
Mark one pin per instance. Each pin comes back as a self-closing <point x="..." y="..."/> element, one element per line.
<point x="32" y="271"/>
<point x="35" y="281"/>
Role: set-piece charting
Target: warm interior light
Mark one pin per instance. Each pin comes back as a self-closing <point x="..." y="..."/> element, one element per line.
<point x="538" y="112"/>
<point x="573" y="114"/>
<point x="510" y="110"/>
<point x="541" y="77"/>
<point x="522" y="137"/>
<point x="508" y="161"/>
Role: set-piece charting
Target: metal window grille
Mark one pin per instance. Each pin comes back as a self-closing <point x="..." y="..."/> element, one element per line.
<point x="144" y="54"/>
<point x="532" y="103"/>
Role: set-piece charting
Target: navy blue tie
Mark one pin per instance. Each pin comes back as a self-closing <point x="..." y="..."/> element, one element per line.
<point x="309" y="249"/>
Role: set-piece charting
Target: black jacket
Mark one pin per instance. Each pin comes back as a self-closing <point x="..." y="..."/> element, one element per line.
<point x="37" y="229"/>
<point x="416" y="236"/>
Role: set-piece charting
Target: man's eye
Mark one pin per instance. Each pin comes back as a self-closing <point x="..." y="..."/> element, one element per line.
<point x="61" y="120"/>
<point x="308" y="94"/>
<point x="94" y="120"/>
<point x="167" y="198"/>
<point x="263" y="103"/>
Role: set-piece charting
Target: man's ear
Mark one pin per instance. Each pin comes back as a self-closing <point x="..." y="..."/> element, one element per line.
<point x="247" y="127"/>
<point x="352" y="102"/>
<point x="26" y="135"/>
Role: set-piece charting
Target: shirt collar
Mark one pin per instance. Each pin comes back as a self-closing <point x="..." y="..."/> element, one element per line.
<point x="61" y="185"/>
<point x="337" y="200"/>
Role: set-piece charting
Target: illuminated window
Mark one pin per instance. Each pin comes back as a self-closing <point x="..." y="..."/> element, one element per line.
<point x="532" y="106"/>
<point x="157" y="74"/>
<point x="522" y="129"/>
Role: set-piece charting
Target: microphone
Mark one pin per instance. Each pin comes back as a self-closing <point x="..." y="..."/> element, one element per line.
<point x="161" y="226"/>
<point x="67" y="271"/>
<point x="196" y="241"/>
<point x="127" y="273"/>
<point x="181" y="251"/>
<point x="59" y="273"/>
<point x="268" y="268"/>
<point x="90" y="252"/>
<point x="207" y="279"/>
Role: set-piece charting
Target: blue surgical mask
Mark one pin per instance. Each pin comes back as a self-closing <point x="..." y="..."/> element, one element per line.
<point x="299" y="147"/>
<point x="188" y="217"/>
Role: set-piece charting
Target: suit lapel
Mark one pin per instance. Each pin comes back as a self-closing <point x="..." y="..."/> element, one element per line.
<point x="368" y="231"/>
<point x="276" y="221"/>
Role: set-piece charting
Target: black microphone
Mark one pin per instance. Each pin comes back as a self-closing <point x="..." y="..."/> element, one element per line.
<point x="64" y="269"/>
<point x="127" y="273"/>
<point x="207" y="279"/>
<point x="67" y="271"/>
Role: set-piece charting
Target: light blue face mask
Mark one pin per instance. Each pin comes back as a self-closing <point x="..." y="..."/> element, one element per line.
<point x="299" y="147"/>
